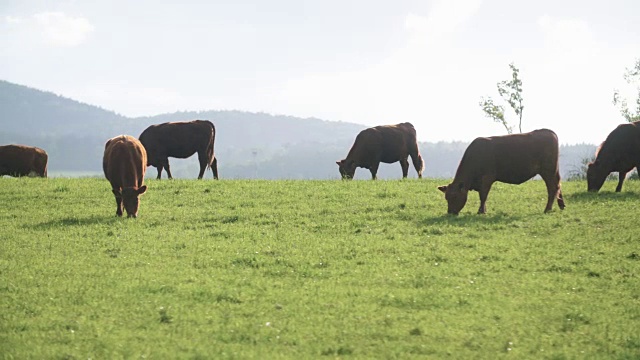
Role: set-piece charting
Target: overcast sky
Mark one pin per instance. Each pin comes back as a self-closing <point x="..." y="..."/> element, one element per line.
<point x="364" y="61"/>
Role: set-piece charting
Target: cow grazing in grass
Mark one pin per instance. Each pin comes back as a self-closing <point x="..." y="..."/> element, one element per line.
<point x="511" y="159"/>
<point x="387" y="144"/>
<point x="124" y="164"/>
<point x="619" y="152"/>
<point x="22" y="160"/>
<point x="180" y="140"/>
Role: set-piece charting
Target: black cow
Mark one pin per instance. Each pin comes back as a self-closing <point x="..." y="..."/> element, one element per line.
<point x="511" y="159"/>
<point x="180" y="140"/>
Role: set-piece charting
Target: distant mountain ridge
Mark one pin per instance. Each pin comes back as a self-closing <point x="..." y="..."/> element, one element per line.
<point x="248" y="145"/>
<point x="74" y="133"/>
<point x="27" y="110"/>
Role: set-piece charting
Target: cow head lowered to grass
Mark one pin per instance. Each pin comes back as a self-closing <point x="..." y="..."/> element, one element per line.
<point x="130" y="200"/>
<point x="385" y="143"/>
<point x="620" y="152"/>
<point x="511" y="159"/>
<point x="124" y="164"/>
<point x="347" y="168"/>
<point x="456" y="196"/>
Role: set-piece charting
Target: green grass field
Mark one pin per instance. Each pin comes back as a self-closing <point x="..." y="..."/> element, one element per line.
<point x="316" y="269"/>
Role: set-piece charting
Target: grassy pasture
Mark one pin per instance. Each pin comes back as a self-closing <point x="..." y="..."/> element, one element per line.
<point x="316" y="269"/>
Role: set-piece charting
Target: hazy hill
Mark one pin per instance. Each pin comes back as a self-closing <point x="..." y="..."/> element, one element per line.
<point x="248" y="145"/>
<point x="24" y="110"/>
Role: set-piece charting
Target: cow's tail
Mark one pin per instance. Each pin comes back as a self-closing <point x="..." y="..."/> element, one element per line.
<point x="418" y="163"/>
<point x="210" y="146"/>
<point x="45" y="159"/>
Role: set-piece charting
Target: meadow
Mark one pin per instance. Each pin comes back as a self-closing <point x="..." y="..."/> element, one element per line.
<point x="238" y="269"/>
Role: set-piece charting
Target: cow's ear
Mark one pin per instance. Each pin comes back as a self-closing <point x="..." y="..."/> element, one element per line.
<point x="142" y="189"/>
<point x="338" y="162"/>
<point x="117" y="193"/>
<point x="443" y="188"/>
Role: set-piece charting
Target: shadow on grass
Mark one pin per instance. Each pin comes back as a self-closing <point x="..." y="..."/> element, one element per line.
<point x="467" y="219"/>
<point x="76" y="221"/>
<point x="587" y="196"/>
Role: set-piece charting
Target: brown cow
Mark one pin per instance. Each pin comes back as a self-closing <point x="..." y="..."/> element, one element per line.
<point x="619" y="152"/>
<point x="124" y="165"/>
<point x="385" y="143"/>
<point x="512" y="159"/>
<point x="181" y="140"/>
<point x="22" y="160"/>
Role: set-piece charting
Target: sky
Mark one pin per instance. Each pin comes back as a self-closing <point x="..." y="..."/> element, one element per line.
<point x="370" y="62"/>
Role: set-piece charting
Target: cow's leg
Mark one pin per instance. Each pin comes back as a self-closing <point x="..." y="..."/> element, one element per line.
<point x="484" y="193"/>
<point x="404" y="163"/>
<point x="202" y="158"/>
<point x="167" y="169"/>
<point x="374" y="171"/>
<point x="553" y="191"/>
<point x="214" y="168"/>
<point x="159" y="171"/>
<point x="621" y="176"/>
<point x="118" y="204"/>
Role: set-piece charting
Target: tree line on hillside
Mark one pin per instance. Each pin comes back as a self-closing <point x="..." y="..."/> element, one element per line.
<point x="248" y="145"/>
<point x="71" y="155"/>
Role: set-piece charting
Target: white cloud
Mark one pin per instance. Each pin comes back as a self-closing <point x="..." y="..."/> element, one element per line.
<point x="415" y="22"/>
<point x="445" y="18"/>
<point x="420" y="82"/>
<point x="566" y="34"/>
<point x="60" y="29"/>
<point x="13" y="20"/>
<point x="55" y="29"/>
<point x="63" y="30"/>
<point x="568" y="82"/>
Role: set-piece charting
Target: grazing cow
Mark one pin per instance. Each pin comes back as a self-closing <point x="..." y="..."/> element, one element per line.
<point x="180" y="140"/>
<point x="619" y="152"/>
<point x="124" y="165"/>
<point x="512" y="159"/>
<point x="22" y="160"/>
<point x="385" y="143"/>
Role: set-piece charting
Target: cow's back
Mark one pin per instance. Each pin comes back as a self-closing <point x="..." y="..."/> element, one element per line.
<point x="367" y="143"/>
<point x="385" y="143"/>
<point x="510" y="158"/>
<point x="124" y="161"/>
<point x="176" y="139"/>
<point x="621" y="145"/>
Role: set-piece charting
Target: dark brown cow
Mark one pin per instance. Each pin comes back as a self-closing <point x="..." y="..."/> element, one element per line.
<point x="385" y="143"/>
<point x="511" y="159"/>
<point x="619" y="152"/>
<point x="22" y="160"/>
<point x="181" y="140"/>
<point x="124" y="165"/>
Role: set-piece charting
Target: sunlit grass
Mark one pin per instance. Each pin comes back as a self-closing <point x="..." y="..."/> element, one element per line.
<point x="363" y="269"/>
